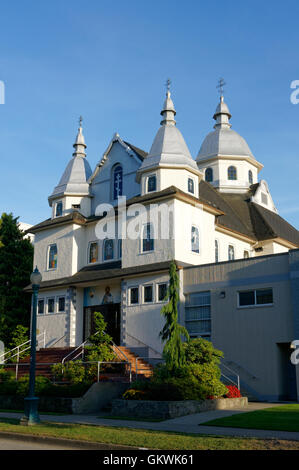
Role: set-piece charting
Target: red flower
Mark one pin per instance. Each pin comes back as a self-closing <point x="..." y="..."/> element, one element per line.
<point x="233" y="392"/>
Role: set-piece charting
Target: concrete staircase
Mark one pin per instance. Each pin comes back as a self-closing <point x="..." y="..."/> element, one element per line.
<point x="44" y="357"/>
<point x="144" y="369"/>
<point x="47" y="356"/>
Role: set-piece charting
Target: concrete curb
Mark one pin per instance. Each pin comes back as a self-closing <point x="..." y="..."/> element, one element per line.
<point x="83" y="445"/>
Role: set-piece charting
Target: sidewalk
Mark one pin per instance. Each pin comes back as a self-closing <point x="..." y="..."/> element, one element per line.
<point x="185" y="424"/>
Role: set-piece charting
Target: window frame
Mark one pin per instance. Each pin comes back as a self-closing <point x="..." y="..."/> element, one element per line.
<point x="143" y="293"/>
<point x="216" y="241"/>
<point x="153" y="175"/>
<point x="234" y="250"/>
<point x="142" y="251"/>
<point x="88" y="253"/>
<point x="57" y="303"/>
<point x="193" y="185"/>
<point x="56" y="206"/>
<point x="41" y="299"/>
<point x="54" y="306"/>
<point x="113" y="181"/>
<point x="157" y="291"/>
<point x="138" y="291"/>
<point x="48" y="257"/>
<point x="197" y="228"/>
<point x="231" y="167"/>
<point x="212" y="174"/>
<point x="103" y="250"/>
<point x="250" y="177"/>
<point x="255" y="305"/>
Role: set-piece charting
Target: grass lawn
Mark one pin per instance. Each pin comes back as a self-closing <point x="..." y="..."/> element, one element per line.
<point x="144" y="438"/>
<point x="278" y="418"/>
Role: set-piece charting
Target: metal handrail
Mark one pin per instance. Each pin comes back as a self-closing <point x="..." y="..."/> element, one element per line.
<point x="234" y="372"/>
<point x="57" y="341"/>
<point x="144" y="344"/>
<point x="253" y="376"/>
<point x="99" y="363"/>
<point x="2" y="356"/>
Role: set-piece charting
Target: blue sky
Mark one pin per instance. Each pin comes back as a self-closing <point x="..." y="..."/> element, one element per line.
<point x="109" y="61"/>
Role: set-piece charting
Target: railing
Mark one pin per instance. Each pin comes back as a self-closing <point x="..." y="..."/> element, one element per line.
<point x="57" y="341"/>
<point x="82" y="346"/>
<point x="252" y="376"/>
<point x="17" y="367"/>
<point x="146" y="345"/>
<point x="17" y="350"/>
<point x="235" y="382"/>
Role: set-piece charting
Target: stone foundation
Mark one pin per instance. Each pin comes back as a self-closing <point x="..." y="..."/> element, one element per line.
<point x="172" y="409"/>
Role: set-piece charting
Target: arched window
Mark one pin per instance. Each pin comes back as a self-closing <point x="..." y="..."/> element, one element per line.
<point x="232" y="173"/>
<point x="250" y="177"/>
<point x="194" y="239"/>
<point x="117" y="181"/>
<point x="191" y="185"/>
<point x="216" y="251"/>
<point x="209" y="175"/>
<point x="52" y="257"/>
<point x="93" y="252"/>
<point x="151" y="183"/>
<point x="148" y="238"/>
<point x="108" y="249"/>
<point x="58" y="212"/>
<point x="231" y="253"/>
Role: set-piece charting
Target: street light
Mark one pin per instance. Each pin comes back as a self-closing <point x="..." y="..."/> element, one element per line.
<point x="31" y="402"/>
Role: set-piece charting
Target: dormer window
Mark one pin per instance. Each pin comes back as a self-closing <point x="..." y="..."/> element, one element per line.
<point x="190" y="185"/>
<point x="76" y="206"/>
<point x="264" y="199"/>
<point x="117" y="181"/>
<point x="52" y="257"/>
<point x="250" y="177"/>
<point x="58" y="209"/>
<point x="152" y="183"/>
<point x="231" y="252"/>
<point x="209" y="175"/>
<point x="232" y="173"/>
<point x="93" y="252"/>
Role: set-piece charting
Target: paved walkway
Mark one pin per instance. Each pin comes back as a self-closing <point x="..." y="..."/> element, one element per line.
<point x="187" y="424"/>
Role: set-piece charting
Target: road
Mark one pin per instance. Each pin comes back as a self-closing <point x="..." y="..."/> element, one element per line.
<point x="13" y="444"/>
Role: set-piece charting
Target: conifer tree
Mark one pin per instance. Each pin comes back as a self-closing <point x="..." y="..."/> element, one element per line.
<point x="16" y="260"/>
<point x="172" y="331"/>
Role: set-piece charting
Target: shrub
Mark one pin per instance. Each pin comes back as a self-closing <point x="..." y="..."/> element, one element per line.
<point x="41" y="384"/>
<point x="233" y="392"/>
<point x="197" y="380"/>
<point x="72" y="371"/>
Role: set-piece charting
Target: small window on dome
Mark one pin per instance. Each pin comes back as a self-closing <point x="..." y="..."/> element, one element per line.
<point x="250" y="177"/>
<point x="93" y="252"/>
<point x="151" y="183"/>
<point x="108" y="249"/>
<point x="209" y="175"/>
<point x="232" y="173"/>
<point x="190" y="185"/>
<point x="58" y="212"/>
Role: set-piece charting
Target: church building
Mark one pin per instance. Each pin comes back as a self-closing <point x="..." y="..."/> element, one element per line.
<point x="225" y="235"/>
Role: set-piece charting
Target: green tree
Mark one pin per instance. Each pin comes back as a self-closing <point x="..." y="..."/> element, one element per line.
<point x="16" y="260"/>
<point x="172" y="332"/>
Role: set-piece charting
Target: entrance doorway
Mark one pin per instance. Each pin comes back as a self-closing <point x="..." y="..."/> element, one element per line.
<point x="111" y="314"/>
<point x="288" y="386"/>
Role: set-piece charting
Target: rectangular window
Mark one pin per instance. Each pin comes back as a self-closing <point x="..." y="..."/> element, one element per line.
<point x="51" y="305"/>
<point x="52" y="257"/>
<point x="246" y="254"/>
<point x="162" y="291"/>
<point x="41" y="306"/>
<point x="256" y="297"/>
<point x="148" y="294"/>
<point x="61" y="304"/>
<point x="194" y="239"/>
<point x="151" y="183"/>
<point x="198" y="314"/>
<point x="134" y="295"/>
<point x="148" y="238"/>
<point x="190" y="185"/>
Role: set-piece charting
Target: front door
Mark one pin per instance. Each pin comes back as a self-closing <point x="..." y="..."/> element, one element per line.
<point x="111" y="314"/>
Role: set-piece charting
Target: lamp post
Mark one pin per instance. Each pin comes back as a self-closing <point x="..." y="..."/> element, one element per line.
<point x="31" y="402"/>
